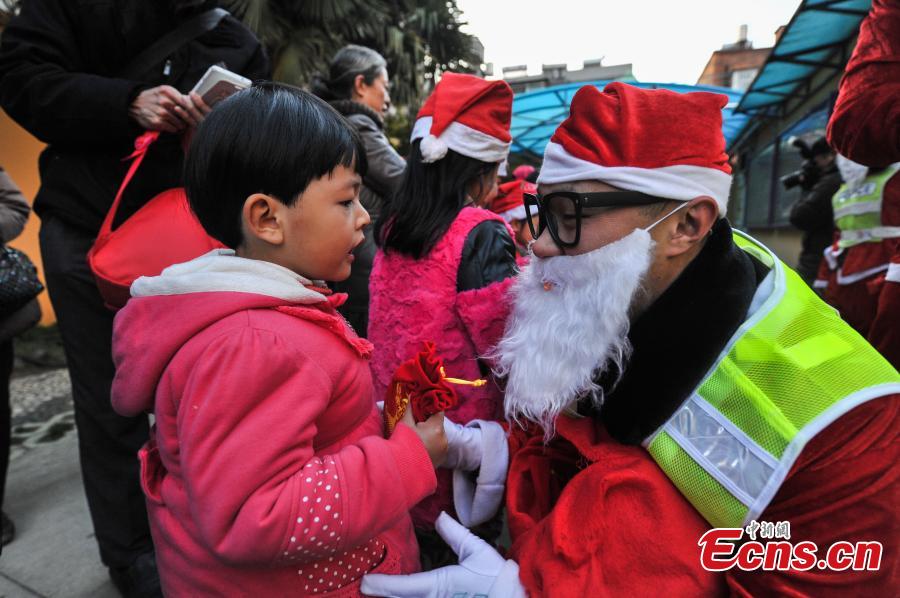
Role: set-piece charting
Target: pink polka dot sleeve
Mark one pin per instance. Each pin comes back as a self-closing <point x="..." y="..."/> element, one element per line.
<point x="316" y="532"/>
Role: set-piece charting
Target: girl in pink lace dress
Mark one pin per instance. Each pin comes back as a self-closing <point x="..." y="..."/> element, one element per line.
<point x="444" y="265"/>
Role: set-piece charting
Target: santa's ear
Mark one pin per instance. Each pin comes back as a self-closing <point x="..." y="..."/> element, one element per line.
<point x="694" y="222"/>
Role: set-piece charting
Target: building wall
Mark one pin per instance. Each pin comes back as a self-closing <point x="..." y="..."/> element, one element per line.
<point x="558" y="74"/>
<point x="723" y="63"/>
<point x="18" y="155"/>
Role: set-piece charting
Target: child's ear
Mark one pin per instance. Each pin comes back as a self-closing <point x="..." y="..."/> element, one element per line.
<point x="261" y="216"/>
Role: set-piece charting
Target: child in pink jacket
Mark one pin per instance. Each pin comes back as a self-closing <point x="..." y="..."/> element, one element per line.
<point x="267" y="473"/>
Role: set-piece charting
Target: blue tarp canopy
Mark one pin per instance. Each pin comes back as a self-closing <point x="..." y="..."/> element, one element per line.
<point x="815" y="39"/>
<point x="536" y="114"/>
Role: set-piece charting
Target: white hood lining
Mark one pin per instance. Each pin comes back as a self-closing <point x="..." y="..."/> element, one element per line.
<point x="221" y="270"/>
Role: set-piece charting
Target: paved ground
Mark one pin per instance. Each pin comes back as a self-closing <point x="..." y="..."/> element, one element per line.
<point x="54" y="553"/>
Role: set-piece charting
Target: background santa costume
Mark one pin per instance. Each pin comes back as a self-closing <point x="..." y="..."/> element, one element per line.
<point x="510" y="205"/>
<point x="865" y="127"/>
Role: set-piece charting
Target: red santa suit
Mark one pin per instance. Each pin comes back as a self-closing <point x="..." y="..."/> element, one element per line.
<point x="865" y="127"/>
<point x="865" y="124"/>
<point x="592" y="517"/>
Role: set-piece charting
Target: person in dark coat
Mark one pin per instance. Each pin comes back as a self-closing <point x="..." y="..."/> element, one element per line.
<point x="357" y="86"/>
<point x="812" y="213"/>
<point x="62" y="65"/>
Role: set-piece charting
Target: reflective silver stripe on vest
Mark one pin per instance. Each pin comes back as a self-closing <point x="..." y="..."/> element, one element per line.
<point x="738" y="463"/>
<point x="856" y="209"/>
<point x="879" y="232"/>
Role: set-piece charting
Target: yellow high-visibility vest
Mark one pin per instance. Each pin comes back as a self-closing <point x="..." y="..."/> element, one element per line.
<point x="857" y="213"/>
<point x="791" y="369"/>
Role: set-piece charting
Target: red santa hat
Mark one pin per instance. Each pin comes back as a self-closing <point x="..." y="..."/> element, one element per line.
<point x="510" y="200"/>
<point x="467" y="114"/>
<point x="655" y="141"/>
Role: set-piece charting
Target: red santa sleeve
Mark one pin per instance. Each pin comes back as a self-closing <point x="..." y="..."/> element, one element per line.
<point x="865" y="125"/>
<point x="844" y="487"/>
<point x="258" y="493"/>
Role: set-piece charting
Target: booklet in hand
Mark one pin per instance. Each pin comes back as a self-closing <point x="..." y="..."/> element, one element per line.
<point x="218" y="83"/>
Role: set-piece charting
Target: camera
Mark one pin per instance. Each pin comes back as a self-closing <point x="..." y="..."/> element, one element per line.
<point x="808" y="174"/>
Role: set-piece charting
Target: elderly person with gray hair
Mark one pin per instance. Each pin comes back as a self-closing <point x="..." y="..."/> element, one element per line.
<point x="357" y="86"/>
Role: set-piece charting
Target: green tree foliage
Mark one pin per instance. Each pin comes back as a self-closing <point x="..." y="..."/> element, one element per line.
<point x="418" y="39"/>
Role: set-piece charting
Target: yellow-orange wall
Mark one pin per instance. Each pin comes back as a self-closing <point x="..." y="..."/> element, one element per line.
<point x="18" y="155"/>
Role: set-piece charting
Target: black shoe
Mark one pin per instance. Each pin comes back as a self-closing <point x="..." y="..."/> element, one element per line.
<point x="140" y="580"/>
<point x="9" y="529"/>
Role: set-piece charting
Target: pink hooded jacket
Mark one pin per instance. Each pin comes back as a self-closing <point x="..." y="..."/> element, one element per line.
<point x="412" y="301"/>
<point x="266" y="473"/>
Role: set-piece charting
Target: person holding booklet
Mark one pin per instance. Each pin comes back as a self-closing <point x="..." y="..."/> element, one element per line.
<point x="87" y="78"/>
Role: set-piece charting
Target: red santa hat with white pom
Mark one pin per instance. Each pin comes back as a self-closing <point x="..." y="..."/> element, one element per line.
<point x="655" y="141"/>
<point x="467" y="114"/>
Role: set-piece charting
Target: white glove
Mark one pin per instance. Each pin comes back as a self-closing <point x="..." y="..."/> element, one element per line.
<point x="481" y="571"/>
<point x="478" y="446"/>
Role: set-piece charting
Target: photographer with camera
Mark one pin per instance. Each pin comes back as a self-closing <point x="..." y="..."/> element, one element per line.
<point x="819" y="178"/>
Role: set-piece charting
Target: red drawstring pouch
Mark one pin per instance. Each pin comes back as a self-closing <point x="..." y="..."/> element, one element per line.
<point x="163" y="232"/>
<point x="420" y="382"/>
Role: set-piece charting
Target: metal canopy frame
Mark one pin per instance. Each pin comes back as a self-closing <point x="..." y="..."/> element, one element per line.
<point x="537" y="114"/>
<point x="815" y="39"/>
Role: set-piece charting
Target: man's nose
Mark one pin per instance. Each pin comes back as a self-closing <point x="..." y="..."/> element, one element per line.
<point x="545" y="247"/>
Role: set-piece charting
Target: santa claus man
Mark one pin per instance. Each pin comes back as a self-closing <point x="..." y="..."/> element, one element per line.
<point x="665" y="375"/>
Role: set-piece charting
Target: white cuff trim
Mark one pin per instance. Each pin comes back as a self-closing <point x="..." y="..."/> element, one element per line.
<point x="479" y="500"/>
<point x="857" y="276"/>
<point x="893" y="273"/>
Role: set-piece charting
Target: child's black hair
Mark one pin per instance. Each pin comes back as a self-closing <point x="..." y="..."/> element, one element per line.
<point x="428" y="200"/>
<point x="270" y="138"/>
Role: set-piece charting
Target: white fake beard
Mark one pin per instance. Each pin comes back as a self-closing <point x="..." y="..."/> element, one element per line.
<point x="558" y="341"/>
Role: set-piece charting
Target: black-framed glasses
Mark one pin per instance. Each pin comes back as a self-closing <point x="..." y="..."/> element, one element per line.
<point x="561" y="212"/>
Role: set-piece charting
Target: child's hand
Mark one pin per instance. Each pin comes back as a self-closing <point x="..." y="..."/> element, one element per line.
<point x="431" y="433"/>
